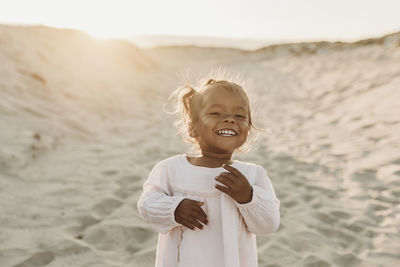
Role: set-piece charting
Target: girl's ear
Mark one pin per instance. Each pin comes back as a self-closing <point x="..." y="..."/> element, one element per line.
<point x="192" y="131"/>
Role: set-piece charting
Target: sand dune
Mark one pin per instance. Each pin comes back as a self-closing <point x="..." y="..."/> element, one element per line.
<point x="82" y="124"/>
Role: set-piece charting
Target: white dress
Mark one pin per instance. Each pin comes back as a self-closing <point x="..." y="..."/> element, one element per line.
<point x="229" y="238"/>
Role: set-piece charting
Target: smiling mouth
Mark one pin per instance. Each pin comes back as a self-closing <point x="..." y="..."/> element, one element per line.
<point x="226" y="133"/>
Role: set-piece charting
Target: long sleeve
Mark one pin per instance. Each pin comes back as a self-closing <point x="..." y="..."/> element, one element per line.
<point x="261" y="214"/>
<point x="156" y="204"/>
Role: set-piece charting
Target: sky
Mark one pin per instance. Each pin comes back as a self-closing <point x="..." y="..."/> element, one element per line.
<point x="298" y="20"/>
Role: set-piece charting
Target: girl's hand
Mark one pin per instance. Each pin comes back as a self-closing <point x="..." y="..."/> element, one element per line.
<point x="236" y="185"/>
<point x="189" y="213"/>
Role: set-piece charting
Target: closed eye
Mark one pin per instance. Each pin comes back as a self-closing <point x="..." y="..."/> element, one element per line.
<point x="240" y="116"/>
<point x="215" y="113"/>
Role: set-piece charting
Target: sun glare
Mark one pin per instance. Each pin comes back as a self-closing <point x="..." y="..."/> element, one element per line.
<point x="103" y="33"/>
<point x="106" y="28"/>
<point x="100" y="29"/>
<point x="97" y="18"/>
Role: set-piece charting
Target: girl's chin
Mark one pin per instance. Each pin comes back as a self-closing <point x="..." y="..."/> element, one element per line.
<point x="224" y="150"/>
<point x="221" y="147"/>
<point x="218" y="151"/>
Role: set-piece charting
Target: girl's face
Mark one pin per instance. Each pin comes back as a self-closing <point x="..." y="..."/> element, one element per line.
<point x="222" y="121"/>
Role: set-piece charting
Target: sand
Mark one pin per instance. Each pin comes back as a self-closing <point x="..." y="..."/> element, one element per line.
<point x="82" y="124"/>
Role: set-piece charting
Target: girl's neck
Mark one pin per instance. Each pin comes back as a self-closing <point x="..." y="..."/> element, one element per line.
<point x="211" y="160"/>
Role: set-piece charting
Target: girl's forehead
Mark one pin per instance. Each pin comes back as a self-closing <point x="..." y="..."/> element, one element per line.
<point x="217" y="95"/>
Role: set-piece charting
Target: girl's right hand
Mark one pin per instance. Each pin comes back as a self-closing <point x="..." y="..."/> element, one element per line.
<point x="189" y="213"/>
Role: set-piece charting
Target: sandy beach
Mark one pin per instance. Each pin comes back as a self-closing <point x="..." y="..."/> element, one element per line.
<point x="82" y="124"/>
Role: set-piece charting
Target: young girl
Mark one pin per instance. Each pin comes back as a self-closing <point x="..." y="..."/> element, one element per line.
<point x="209" y="208"/>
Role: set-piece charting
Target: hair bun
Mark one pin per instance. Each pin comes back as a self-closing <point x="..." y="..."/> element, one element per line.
<point x="210" y="81"/>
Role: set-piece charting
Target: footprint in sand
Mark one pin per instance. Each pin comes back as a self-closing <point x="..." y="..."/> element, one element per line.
<point x="341" y="238"/>
<point x="305" y="241"/>
<point x="111" y="237"/>
<point x="38" y="260"/>
<point x="83" y="223"/>
<point x="313" y="261"/>
<point x="341" y="214"/>
<point x="110" y="172"/>
<point x="128" y="180"/>
<point x="106" y="207"/>
<point x="325" y="217"/>
<point x="397" y="161"/>
<point x="290" y="203"/>
<point x="128" y="186"/>
<point x="348" y="259"/>
<point x="356" y="227"/>
<point x="124" y="192"/>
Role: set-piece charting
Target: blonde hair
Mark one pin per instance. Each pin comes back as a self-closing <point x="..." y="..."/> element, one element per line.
<point x="186" y="98"/>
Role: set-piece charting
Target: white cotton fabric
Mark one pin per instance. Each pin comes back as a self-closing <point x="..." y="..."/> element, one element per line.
<point x="229" y="238"/>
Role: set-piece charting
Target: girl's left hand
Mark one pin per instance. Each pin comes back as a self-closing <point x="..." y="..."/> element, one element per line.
<point x="236" y="185"/>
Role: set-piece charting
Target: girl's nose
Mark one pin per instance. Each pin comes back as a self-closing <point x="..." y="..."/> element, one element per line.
<point x="229" y="119"/>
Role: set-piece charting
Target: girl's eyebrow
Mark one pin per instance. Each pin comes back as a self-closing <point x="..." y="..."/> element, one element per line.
<point x="222" y="106"/>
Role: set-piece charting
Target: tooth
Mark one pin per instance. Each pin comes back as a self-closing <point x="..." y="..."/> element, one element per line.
<point x="226" y="133"/>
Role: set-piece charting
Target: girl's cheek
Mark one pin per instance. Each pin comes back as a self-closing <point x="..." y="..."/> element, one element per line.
<point x="244" y="123"/>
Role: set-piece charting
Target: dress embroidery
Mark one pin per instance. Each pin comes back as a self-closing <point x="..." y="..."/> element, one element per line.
<point x="179" y="245"/>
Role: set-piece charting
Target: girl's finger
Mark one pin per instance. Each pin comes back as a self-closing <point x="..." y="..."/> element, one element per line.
<point x="201" y="216"/>
<point x="223" y="189"/>
<point x="224" y="179"/>
<point x="182" y="222"/>
<point x="232" y="170"/>
<point x="231" y="176"/>
<point x="199" y="203"/>
<point x="196" y="223"/>
<point x="186" y="224"/>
